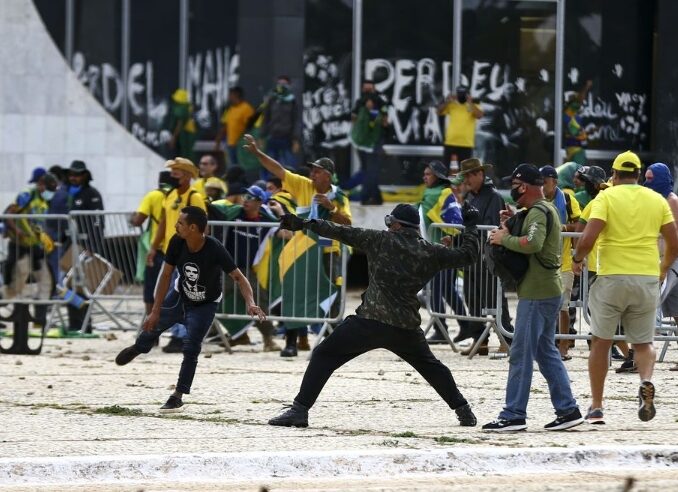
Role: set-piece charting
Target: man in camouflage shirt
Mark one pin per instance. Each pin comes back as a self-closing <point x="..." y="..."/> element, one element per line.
<point x="400" y="263"/>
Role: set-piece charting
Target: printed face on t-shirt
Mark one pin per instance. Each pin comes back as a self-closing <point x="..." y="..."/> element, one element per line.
<point x="192" y="289"/>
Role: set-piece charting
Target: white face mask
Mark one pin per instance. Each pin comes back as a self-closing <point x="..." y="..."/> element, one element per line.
<point x="47" y="195"/>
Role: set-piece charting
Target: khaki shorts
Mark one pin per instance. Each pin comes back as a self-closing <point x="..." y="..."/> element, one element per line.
<point x="629" y="299"/>
<point x="568" y="281"/>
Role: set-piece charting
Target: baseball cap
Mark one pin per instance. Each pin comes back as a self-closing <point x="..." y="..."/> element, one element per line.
<point x="528" y="173"/>
<point x="627" y="161"/>
<point x="549" y="172"/>
<point x="257" y="193"/>
<point x="37" y="173"/>
<point x="216" y="183"/>
<point x="324" y="163"/>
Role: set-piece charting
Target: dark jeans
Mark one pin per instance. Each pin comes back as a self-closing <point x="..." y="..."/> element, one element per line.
<point x="197" y="320"/>
<point x="355" y="336"/>
<point x="232" y="151"/>
<point x="370" y="163"/>
<point x="462" y="154"/>
<point x="444" y="288"/>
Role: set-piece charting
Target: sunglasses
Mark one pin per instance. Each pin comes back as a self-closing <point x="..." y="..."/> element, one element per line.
<point x="248" y="197"/>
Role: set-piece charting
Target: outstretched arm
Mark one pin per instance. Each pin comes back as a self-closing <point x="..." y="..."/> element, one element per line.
<point x="466" y="254"/>
<point x="364" y="239"/>
<point x="270" y="164"/>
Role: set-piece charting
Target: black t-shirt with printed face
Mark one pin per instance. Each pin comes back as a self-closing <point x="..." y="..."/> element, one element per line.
<point x="200" y="272"/>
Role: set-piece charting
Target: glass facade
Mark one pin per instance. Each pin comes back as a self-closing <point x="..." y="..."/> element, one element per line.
<point x="508" y="60"/>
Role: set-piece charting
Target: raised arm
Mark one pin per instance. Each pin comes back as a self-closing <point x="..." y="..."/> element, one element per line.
<point x="270" y="164"/>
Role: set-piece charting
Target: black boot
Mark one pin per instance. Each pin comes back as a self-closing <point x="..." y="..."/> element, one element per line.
<point x="126" y="355"/>
<point x="437" y="337"/>
<point x="295" y="416"/>
<point x="290" y="349"/>
<point x="466" y="416"/>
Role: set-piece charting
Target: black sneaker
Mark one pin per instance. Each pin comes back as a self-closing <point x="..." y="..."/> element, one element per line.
<point x="174" y="346"/>
<point x="465" y="416"/>
<point x="126" y="355"/>
<point x="595" y="416"/>
<point x="646" y="410"/>
<point x="173" y="405"/>
<point x="503" y="425"/>
<point x="568" y="421"/>
<point x="295" y="416"/>
<point x="628" y="366"/>
<point x="288" y="351"/>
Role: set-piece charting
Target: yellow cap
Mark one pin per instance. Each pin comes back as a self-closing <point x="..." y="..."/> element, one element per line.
<point x="180" y="96"/>
<point x="627" y="161"/>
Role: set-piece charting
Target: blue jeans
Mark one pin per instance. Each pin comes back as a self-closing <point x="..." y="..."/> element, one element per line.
<point x="197" y="320"/>
<point x="280" y="149"/>
<point x="534" y="339"/>
<point x="232" y="151"/>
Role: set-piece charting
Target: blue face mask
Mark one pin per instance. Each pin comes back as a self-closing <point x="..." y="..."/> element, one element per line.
<point x="47" y="195"/>
<point x="74" y="190"/>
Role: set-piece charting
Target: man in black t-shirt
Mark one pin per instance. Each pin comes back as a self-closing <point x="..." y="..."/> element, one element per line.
<point x="192" y="300"/>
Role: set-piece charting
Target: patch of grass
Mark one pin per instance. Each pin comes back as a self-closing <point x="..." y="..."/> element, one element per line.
<point x="405" y="434"/>
<point x="121" y="411"/>
<point x="453" y="440"/>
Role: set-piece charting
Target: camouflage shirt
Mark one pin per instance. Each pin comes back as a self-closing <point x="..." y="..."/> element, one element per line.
<point x="399" y="265"/>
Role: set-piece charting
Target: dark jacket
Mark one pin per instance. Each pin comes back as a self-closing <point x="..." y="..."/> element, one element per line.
<point x="280" y="119"/>
<point x="90" y="227"/>
<point x="399" y="265"/>
<point x="489" y="203"/>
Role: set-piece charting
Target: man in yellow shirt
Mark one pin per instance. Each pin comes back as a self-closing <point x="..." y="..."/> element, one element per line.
<point x="629" y="271"/>
<point x="460" y="135"/>
<point x="151" y="208"/>
<point x="316" y="198"/>
<point x="234" y="122"/>
<point x="181" y="172"/>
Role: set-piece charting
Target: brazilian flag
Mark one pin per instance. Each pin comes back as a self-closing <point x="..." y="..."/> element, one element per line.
<point x="307" y="291"/>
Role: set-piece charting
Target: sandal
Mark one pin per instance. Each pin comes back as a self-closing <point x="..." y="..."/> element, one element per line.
<point x="565" y="357"/>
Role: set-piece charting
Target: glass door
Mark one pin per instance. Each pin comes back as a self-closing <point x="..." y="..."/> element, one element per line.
<point x="508" y="63"/>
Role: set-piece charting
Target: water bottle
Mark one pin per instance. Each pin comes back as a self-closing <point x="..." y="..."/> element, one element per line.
<point x="71" y="297"/>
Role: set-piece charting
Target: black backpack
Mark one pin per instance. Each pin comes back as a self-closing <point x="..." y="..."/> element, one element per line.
<point x="510" y="266"/>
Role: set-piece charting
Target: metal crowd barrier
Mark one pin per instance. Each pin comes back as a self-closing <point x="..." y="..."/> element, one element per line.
<point x="294" y="280"/>
<point x="471" y="294"/>
<point x="31" y="248"/>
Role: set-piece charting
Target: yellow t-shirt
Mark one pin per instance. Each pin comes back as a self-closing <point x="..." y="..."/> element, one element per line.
<point x="302" y="190"/>
<point x="573" y="216"/>
<point x="461" y="125"/>
<point x="173" y="204"/>
<point x="633" y="217"/>
<point x="235" y="118"/>
<point x="151" y="206"/>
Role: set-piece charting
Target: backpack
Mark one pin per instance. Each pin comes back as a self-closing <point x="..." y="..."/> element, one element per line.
<point x="510" y="266"/>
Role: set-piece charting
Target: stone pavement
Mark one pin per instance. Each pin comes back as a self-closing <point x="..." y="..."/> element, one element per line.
<point x="74" y="401"/>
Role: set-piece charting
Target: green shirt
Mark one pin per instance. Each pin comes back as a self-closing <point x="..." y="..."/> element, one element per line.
<point x="539" y="282"/>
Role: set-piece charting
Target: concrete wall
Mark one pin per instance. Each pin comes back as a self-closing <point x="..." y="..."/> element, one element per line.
<point x="47" y="117"/>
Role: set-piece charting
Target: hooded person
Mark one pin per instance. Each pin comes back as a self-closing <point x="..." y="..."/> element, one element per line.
<point x="658" y="178"/>
<point x="594" y="179"/>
